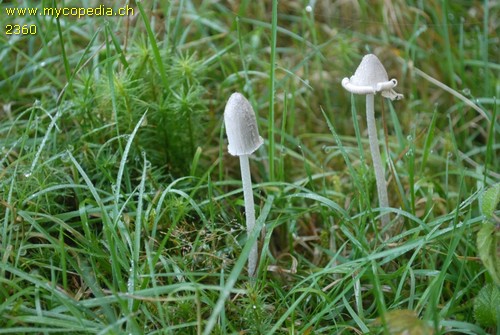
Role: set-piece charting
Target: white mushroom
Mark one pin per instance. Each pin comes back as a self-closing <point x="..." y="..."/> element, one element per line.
<point x="371" y="77"/>
<point x="243" y="137"/>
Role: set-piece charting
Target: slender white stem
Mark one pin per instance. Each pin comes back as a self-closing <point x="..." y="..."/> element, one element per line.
<point x="377" y="160"/>
<point x="249" y="211"/>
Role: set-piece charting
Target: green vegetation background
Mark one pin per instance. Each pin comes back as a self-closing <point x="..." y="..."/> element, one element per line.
<point x="121" y="211"/>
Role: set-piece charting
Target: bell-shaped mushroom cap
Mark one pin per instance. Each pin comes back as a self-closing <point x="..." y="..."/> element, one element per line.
<point x="371" y="77"/>
<point x="241" y="126"/>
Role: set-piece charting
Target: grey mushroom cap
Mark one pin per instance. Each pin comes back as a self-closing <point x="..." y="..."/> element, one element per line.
<point x="371" y="77"/>
<point x="241" y="126"/>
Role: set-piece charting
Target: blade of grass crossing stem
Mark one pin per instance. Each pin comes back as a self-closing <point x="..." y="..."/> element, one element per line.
<point x="272" y="82"/>
<point x="238" y="267"/>
<point x="154" y="46"/>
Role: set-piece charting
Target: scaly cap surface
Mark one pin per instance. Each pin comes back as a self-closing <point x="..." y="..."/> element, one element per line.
<point x="241" y="126"/>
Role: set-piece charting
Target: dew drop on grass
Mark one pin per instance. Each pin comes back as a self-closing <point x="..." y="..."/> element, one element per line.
<point x="147" y="163"/>
<point x="27" y="174"/>
<point x="327" y="149"/>
<point x="309" y="8"/>
<point x="65" y="157"/>
<point x="42" y="64"/>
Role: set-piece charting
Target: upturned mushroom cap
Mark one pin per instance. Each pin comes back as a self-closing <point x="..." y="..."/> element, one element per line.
<point x="241" y="126"/>
<point x="371" y="77"/>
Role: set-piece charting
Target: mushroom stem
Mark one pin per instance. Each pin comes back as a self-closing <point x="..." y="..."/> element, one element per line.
<point x="249" y="211"/>
<point x="377" y="160"/>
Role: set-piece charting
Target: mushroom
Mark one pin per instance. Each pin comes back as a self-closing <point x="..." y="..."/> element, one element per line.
<point x="371" y="77"/>
<point x="243" y="137"/>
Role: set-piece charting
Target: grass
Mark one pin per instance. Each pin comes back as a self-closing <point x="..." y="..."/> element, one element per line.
<point x="121" y="211"/>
